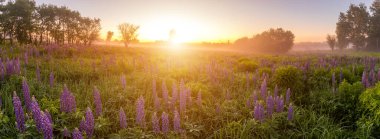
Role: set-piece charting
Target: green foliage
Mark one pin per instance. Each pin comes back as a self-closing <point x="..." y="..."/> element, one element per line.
<point x="247" y="66"/>
<point x="370" y="103"/>
<point x="290" y="77"/>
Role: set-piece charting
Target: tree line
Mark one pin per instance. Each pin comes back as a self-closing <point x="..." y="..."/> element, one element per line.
<point x="273" y="41"/>
<point x="357" y="27"/>
<point x="24" y="22"/>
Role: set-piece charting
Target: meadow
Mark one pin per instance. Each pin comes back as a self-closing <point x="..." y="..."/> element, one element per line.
<point x="144" y="92"/>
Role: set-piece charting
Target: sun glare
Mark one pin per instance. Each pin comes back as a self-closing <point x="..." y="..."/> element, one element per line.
<point x="160" y="28"/>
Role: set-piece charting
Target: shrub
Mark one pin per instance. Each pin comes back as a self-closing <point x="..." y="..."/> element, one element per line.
<point x="247" y="66"/>
<point x="370" y="104"/>
<point x="290" y="77"/>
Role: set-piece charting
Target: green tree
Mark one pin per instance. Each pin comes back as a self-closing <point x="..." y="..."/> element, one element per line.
<point x="342" y="31"/>
<point x="374" y="26"/>
<point x="358" y="19"/>
<point x="331" y="41"/>
<point x="128" y="33"/>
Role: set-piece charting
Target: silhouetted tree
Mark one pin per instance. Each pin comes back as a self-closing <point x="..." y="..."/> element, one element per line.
<point x="358" y="19"/>
<point x="342" y="31"/>
<point x="128" y="32"/>
<point x="109" y="37"/>
<point x="374" y="26"/>
<point x="274" y="40"/>
<point x="331" y="41"/>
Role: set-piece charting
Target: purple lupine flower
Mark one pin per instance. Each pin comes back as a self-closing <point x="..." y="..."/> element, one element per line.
<point x="155" y="123"/>
<point x="364" y="79"/>
<point x="199" y="99"/>
<point x="175" y="94"/>
<point x="259" y="112"/>
<point x="46" y="126"/>
<point x="19" y="113"/>
<point x="51" y="79"/>
<point x="264" y="88"/>
<point x="66" y="133"/>
<point x="290" y="112"/>
<point x="38" y="73"/>
<point x="275" y="92"/>
<point x="90" y="123"/>
<point x="98" y="102"/>
<point x="123" y="81"/>
<point x="165" y="122"/>
<point x="378" y="75"/>
<point x="122" y="119"/>
<point x="26" y="92"/>
<point x="332" y="82"/>
<point x="165" y="93"/>
<point x="372" y="77"/>
<point x="77" y="134"/>
<point x="1" y="102"/>
<point x="140" y="112"/>
<point x="280" y="105"/>
<point x="48" y="116"/>
<point x="82" y="125"/>
<point x="157" y="103"/>
<point x="36" y="111"/>
<point x="67" y="101"/>
<point x="287" y="99"/>
<point x="270" y="106"/>
<point x="176" y="122"/>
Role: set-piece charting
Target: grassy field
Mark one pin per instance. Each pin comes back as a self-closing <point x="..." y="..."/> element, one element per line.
<point x="190" y="93"/>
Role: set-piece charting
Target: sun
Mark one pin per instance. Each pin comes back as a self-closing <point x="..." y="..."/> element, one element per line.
<point x="173" y="29"/>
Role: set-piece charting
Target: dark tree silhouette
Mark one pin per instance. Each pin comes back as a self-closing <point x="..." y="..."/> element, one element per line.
<point x="128" y="33"/>
<point x="331" y="41"/>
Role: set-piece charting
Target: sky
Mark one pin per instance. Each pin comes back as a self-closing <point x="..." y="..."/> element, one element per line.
<point x="214" y="20"/>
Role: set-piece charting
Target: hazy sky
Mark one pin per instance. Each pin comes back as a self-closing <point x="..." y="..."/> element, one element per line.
<point x="213" y="20"/>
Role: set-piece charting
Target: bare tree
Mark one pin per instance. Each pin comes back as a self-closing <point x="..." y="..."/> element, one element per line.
<point x="331" y="40"/>
<point x="128" y="32"/>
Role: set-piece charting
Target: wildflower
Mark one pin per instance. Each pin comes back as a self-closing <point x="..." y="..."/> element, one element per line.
<point x="77" y="134"/>
<point x="155" y="123"/>
<point x="165" y="122"/>
<point x="270" y="106"/>
<point x="290" y="112"/>
<point x="19" y="112"/>
<point x="176" y="122"/>
<point x="259" y="112"/>
<point x="26" y="92"/>
<point x="48" y="116"/>
<point x="280" y="104"/>
<point x="46" y="126"/>
<point x="122" y="119"/>
<point x="82" y="125"/>
<point x="98" y="102"/>
<point x="36" y="111"/>
<point x="90" y="123"/>
<point x="140" y="112"/>
<point x="66" y="133"/>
